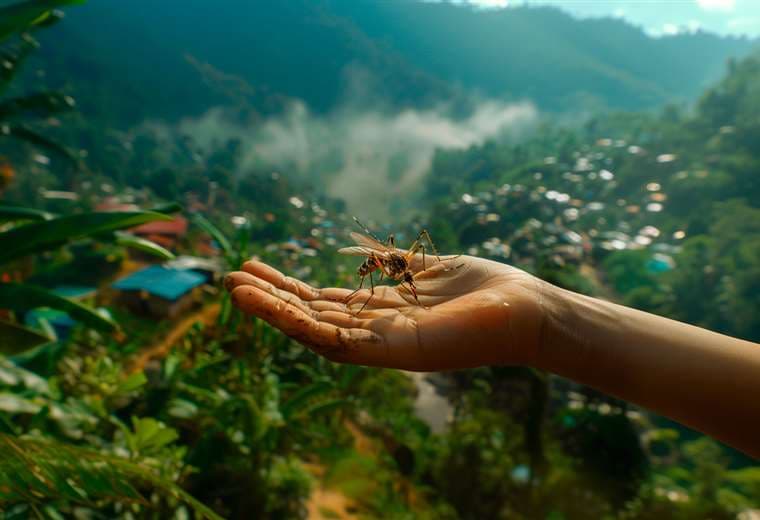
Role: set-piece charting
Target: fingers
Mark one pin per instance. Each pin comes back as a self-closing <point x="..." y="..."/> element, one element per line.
<point x="417" y="265"/>
<point x="338" y="343"/>
<point x="240" y="279"/>
<point x="280" y="281"/>
<point x="339" y="313"/>
<point x="301" y="289"/>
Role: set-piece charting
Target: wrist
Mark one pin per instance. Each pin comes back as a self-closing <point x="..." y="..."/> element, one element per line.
<point x="525" y="298"/>
<point x="573" y="330"/>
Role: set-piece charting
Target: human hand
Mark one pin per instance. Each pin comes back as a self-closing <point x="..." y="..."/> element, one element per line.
<point x="473" y="312"/>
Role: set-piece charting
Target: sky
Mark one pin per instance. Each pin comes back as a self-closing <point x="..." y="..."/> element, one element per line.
<point x="658" y="17"/>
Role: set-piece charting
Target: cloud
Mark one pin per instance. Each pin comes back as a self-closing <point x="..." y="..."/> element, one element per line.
<point x="480" y="4"/>
<point x="749" y="23"/>
<point x="375" y="160"/>
<point x="490" y="4"/>
<point x="694" y="26"/>
<point x="717" y="5"/>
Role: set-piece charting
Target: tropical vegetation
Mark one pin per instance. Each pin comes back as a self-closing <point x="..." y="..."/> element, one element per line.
<point x="213" y="414"/>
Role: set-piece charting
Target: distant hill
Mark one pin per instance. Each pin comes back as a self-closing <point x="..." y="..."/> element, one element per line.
<point x="164" y="60"/>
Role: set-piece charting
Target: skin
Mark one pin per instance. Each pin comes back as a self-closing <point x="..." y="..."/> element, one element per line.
<point x="476" y="312"/>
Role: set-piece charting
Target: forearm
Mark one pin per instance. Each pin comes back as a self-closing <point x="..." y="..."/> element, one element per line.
<point x="702" y="379"/>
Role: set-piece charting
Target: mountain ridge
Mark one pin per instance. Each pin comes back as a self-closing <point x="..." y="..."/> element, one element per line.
<point x="419" y="53"/>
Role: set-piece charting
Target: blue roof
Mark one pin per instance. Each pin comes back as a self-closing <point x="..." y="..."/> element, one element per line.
<point x="74" y="291"/>
<point x="54" y="317"/>
<point x="161" y="281"/>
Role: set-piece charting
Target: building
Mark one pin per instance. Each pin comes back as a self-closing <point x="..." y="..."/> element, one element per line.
<point x="160" y="291"/>
<point x="211" y="268"/>
<point x="164" y="232"/>
<point x="60" y="321"/>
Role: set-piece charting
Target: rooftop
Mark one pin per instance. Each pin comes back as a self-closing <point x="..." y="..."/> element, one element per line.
<point x="161" y="281"/>
<point x="74" y="291"/>
<point x="176" y="227"/>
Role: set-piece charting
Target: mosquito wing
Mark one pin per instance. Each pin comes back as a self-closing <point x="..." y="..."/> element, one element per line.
<point x="361" y="251"/>
<point x="369" y="242"/>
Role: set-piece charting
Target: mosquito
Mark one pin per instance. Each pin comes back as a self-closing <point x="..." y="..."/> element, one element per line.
<point x="385" y="257"/>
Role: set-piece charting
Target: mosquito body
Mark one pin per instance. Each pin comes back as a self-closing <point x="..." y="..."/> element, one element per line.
<point x="384" y="257"/>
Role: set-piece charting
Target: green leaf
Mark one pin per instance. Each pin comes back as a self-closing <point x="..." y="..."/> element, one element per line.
<point x="28" y="135"/>
<point x="23" y="297"/>
<point x="329" y="406"/>
<point x="12" y="57"/>
<point x="144" y="245"/>
<point x="43" y="103"/>
<point x="13" y="403"/>
<point x="20" y="16"/>
<point x="169" y="208"/>
<point x="15" y="339"/>
<point x="133" y="382"/>
<point x="298" y="401"/>
<point x="203" y="223"/>
<point x="182" y="409"/>
<point x="6" y="425"/>
<point x="13" y="213"/>
<point x="150" y="436"/>
<point x="348" y="374"/>
<point x="42" y="236"/>
<point x="14" y="375"/>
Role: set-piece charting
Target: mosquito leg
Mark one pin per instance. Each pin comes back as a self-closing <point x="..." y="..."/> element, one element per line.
<point x="412" y="290"/>
<point x="424" y="233"/>
<point x="371" y="292"/>
<point x="417" y="246"/>
<point x="361" y="284"/>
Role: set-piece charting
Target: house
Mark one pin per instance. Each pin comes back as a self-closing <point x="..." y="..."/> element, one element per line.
<point x="75" y="292"/>
<point x="160" y="291"/>
<point x="164" y="232"/>
<point x="60" y="321"/>
<point x="210" y="268"/>
<point x="114" y="204"/>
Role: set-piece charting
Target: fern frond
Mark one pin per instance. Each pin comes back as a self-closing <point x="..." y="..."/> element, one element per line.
<point x="38" y="471"/>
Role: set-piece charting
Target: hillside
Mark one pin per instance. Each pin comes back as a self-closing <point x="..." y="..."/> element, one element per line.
<point x="166" y="62"/>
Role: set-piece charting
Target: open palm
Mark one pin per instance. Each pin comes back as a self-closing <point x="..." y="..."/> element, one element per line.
<point x="473" y="312"/>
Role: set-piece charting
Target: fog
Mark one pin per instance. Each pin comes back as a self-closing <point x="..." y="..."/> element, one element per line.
<point x="373" y="159"/>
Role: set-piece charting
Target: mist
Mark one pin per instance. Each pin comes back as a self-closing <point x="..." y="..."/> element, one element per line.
<point x="375" y="160"/>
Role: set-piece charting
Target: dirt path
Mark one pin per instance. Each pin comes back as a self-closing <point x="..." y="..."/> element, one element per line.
<point x="325" y="503"/>
<point x="206" y="314"/>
